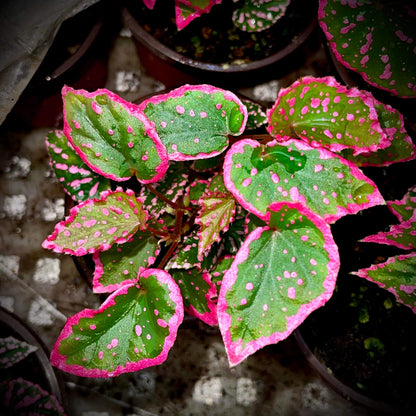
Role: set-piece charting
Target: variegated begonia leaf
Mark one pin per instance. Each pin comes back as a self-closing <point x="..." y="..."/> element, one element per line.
<point x="397" y="275"/>
<point x="78" y="180"/>
<point x="216" y="214"/>
<point x="325" y="113"/>
<point x="207" y="165"/>
<point x="377" y="39"/>
<point x="121" y="263"/>
<point x="406" y="207"/>
<point x="221" y="267"/>
<point x="133" y="329"/>
<point x="236" y="233"/>
<point x="197" y="292"/>
<point x="97" y="224"/>
<point x="112" y="137"/>
<point x="187" y="257"/>
<point x="257" y="117"/>
<point x="196" y="189"/>
<point x="258" y="175"/>
<point x="258" y="15"/>
<point x="279" y="276"/>
<point x="188" y="10"/>
<point x="13" y="350"/>
<point x="21" y="397"/>
<point x="194" y="121"/>
<point x="401" y="148"/>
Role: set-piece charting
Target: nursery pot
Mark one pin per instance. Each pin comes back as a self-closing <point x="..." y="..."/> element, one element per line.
<point x="35" y="367"/>
<point x="285" y="46"/>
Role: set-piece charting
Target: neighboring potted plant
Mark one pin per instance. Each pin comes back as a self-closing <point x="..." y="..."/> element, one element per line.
<point x="186" y="41"/>
<point x="233" y="231"/>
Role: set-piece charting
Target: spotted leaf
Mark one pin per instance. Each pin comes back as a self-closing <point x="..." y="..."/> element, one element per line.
<point x="187" y="257"/>
<point x="324" y="113"/>
<point x="120" y="264"/>
<point x="21" y="397"/>
<point x="97" y="224"/>
<point x="198" y="293"/>
<point x="279" y="276"/>
<point x="397" y="275"/>
<point x="401" y="147"/>
<point x="194" y="121"/>
<point x="133" y="329"/>
<point x="258" y="175"/>
<point x="188" y="10"/>
<point x="405" y="208"/>
<point x="112" y="137"/>
<point x="196" y="189"/>
<point x="258" y="15"/>
<point x="375" y="39"/>
<point x="257" y="117"/>
<point x="13" y="350"/>
<point x="78" y="180"/>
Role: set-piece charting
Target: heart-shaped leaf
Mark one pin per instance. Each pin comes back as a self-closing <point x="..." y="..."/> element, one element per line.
<point x="258" y="15"/>
<point x="326" y="113"/>
<point x="397" y="275"/>
<point x="13" y="350"/>
<point x="120" y="264"/>
<point x="194" y="121"/>
<point x="78" y="180"/>
<point x="375" y="39"/>
<point x="97" y="224"/>
<point x="258" y="175"/>
<point x="279" y="276"/>
<point x="112" y="137"/>
<point x="133" y="329"/>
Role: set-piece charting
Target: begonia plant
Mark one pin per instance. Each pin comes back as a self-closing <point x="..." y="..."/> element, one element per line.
<point x="186" y="209"/>
<point x="250" y="16"/>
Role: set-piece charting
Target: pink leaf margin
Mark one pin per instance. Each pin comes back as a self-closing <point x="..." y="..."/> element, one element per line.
<point x="182" y="22"/>
<point x="374" y="199"/>
<point x="407" y="200"/>
<point x="236" y="352"/>
<point x="58" y="360"/>
<point x="206" y="89"/>
<point x="133" y="110"/>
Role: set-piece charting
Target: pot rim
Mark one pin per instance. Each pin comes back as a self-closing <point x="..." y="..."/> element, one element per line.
<point x="173" y="57"/>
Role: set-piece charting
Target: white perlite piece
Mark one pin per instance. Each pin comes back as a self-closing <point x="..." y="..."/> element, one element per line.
<point x="41" y="313"/>
<point x="7" y="302"/>
<point x="315" y="396"/>
<point x="208" y="390"/>
<point x="267" y="91"/>
<point x="17" y="168"/>
<point x="14" y="206"/>
<point x="127" y="81"/>
<point x="246" y="391"/>
<point x="47" y="270"/>
<point x="53" y="210"/>
<point x="9" y="267"/>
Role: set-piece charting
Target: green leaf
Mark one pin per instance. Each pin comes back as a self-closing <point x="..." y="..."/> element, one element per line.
<point x="376" y="39"/>
<point x="259" y="175"/>
<point x="112" y="137"/>
<point x="324" y="113"/>
<point x="194" y="121"/>
<point x="257" y="117"/>
<point x="397" y="275"/>
<point x="121" y="263"/>
<point x="279" y="276"/>
<point x="406" y="207"/>
<point x="188" y="10"/>
<point x="78" y="180"/>
<point x="98" y="224"/>
<point x="12" y="351"/>
<point x="133" y="329"/>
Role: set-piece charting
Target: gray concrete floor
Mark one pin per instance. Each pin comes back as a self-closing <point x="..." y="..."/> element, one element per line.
<point x="43" y="289"/>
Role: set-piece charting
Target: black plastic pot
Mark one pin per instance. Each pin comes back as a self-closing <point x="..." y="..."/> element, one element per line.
<point x="174" y="68"/>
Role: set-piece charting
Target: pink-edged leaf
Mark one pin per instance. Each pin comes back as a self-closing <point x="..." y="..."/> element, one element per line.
<point x="207" y="165"/>
<point x="401" y="148"/>
<point x="188" y="10"/>
<point x="112" y="137"/>
<point x="20" y="397"/>
<point x="278" y="278"/>
<point x="133" y="329"/>
<point x="257" y="117"/>
<point x="375" y="39"/>
<point x="216" y="214"/>
<point x="78" y="180"/>
<point x="325" y="113"/>
<point x="119" y="265"/>
<point x="397" y="275"/>
<point x="187" y="257"/>
<point x="150" y="4"/>
<point x="194" y="121"/>
<point x="198" y="293"/>
<point x="258" y="175"/>
<point x="13" y="350"/>
<point x="97" y="224"/>
<point x="259" y="15"/>
<point x="216" y="276"/>
<point x="196" y="189"/>
<point x="405" y="208"/>
<point x="402" y="235"/>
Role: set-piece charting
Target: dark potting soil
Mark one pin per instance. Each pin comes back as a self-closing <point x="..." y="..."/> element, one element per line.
<point x="213" y="38"/>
